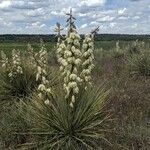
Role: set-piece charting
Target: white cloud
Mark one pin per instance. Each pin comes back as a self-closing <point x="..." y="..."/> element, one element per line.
<point x="42" y="25"/>
<point x="123" y="17"/>
<point x="62" y="12"/>
<point x="106" y="19"/>
<point x="5" y="4"/>
<point x="122" y="11"/>
<point x="136" y="17"/>
<point x="112" y="24"/>
<point x="134" y="26"/>
<point x="83" y="26"/>
<point x="36" y="23"/>
<point x="37" y="16"/>
<point x="94" y="23"/>
<point x="82" y="15"/>
<point x="36" y="26"/>
<point x="36" y="12"/>
<point x="92" y="2"/>
<point x="5" y="24"/>
<point x="57" y="13"/>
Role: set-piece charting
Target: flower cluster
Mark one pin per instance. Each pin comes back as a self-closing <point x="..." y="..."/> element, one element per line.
<point x="72" y="55"/>
<point x="117" y="46"/>
<point x="32" y="56"/>
<point x="69" y="58"/>
<point x="60" y="55"/>
<point x="87" y="58"/>
<point x="41" y="76"/>
<point x="16" y="64"/>
<point x="58" y="30"/>
<point x="4" y="60"/>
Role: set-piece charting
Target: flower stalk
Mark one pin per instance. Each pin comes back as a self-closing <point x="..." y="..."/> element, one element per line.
<point x="87" y="58"/>
<point x="16" y="64"/>
<point x="43" y="88"/>
<point x="71" y="59"/>
<point x="4" y="60"/>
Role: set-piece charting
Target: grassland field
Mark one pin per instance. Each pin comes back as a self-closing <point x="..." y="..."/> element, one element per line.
<point x="127" y="76"/>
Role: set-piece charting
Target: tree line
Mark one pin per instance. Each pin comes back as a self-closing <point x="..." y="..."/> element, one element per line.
<point x="52" y="38"/>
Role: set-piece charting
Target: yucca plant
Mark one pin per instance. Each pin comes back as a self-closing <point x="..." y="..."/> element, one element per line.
<point x="139" y="64"/>
<point x="118" y="52"/>
<point x="59" y="127"/>
<point x="20" y="76"/>
<point x="21" y="86"/>
<point x="73" y="117"/>
<point x="136" y="47"/>
<point x="17" y="78"/>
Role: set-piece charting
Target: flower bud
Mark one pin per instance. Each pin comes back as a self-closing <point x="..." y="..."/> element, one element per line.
<point x="41" y="87"/>
<point x="47" y="102"/>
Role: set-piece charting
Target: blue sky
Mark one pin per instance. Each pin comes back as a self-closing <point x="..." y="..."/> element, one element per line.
<point x="40" y="16"/>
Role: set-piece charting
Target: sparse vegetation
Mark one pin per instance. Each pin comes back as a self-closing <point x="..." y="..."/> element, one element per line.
<point x="79" y="106"/>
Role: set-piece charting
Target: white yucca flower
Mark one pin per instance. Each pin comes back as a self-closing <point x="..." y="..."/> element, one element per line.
<point x="31" y="56"/>
<point x="42" y="63"/>
<point x="72" y="55"/>
<point x="69" y="58"/>
<point x="15" y="65"/>
<point x="117" y="46"/>
<point x="61" y="55"/>
<point x="42" y="74"/>
<point x="87" y="57"/>
<point x="47" y="102"/>
<point x="41" y="87"/>
<point x="4" y="60"/>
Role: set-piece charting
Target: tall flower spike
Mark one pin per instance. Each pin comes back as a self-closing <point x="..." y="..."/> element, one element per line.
<point x="32" y="56"/>
<point x="58" y="30"/>
<point x="4" y="60"/>
<point x="69" y="58"/>
<point x="60" y="46"/>
<point x="117" y="46"/>
<point x="41" y="62"/>
<point x="94" y="32"/>
<point x="41" y="76"/>
<point x="70" y="22"/>
<point x="16" y="64"/>
<point x="88" y="56"/>
<point x="60" y="55"/>
<point x="72" y="56"/>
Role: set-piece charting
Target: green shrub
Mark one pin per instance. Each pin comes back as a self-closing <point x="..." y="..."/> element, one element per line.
<point x="117" y="51"/>
<point x="60" y="127"/>
<point x="136" y="47"/>
<point x="21" y="86"/>
<point x="139" y="63"/>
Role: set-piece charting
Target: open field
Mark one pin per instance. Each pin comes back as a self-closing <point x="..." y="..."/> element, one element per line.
<point x="74" y="74"/>
<point x="123" y="69"/>
<point x="106" y="45"/>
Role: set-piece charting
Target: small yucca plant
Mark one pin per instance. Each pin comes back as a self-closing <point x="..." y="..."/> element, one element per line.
<point x="17" y="78"/>
<point x="118" y="52"/>
<point x="136" y="47"/>
<point x="20" y="77"/>
<point x="21" y="86"/>
<point x="139" y="64"/>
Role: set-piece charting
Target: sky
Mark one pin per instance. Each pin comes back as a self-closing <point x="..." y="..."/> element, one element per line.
<point x="40" y="16"/>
